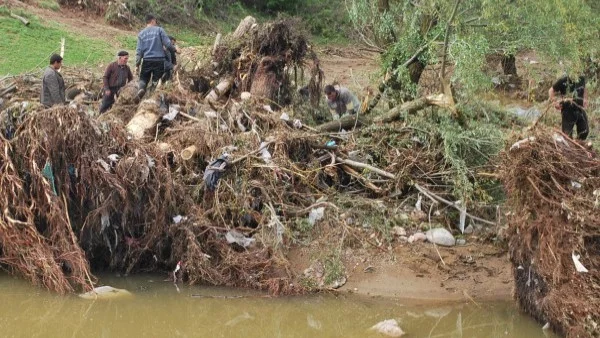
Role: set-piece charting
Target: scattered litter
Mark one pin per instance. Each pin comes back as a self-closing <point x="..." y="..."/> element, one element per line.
<point x="113" y="157"/>
<point x="177" y="219"/>
<point x="315" y="215"/>
<point x="106" y="292"/>
<point x="578" y="266"/>
<point x="388" y="327"/>
<point x="173" y="112"/>
<point x="284" y="117"/>
<point x="418" y="204"/>
<point x="233" y="236"/>
<point x="264" y="153"/>
<point x="518" y="144"/>
<point x="268" y="108"/>
<point x="546" y="326"/>
<point x="297" y="124"/>
<point x="576" y="185"/>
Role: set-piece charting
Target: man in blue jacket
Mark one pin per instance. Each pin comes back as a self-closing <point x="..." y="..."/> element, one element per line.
<point x="150" y="53"/>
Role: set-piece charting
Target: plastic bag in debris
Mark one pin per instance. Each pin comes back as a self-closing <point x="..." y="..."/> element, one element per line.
<point x="233" y="236"/>
<point x="315" y="215"/>
<point x="173" y="112"/>
<point x="264" y="153"/>
<point x="212" y="173"/>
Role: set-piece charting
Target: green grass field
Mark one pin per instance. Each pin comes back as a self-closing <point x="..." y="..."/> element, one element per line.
<point x="27" y="48"/>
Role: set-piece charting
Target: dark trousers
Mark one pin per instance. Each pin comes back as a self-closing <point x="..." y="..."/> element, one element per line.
<point x="108" y="100"/>
<point x="572" y="117"/>
<point x="151" y="69"/>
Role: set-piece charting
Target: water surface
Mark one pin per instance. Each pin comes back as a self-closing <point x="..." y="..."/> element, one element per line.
<point x="160" y="309"/>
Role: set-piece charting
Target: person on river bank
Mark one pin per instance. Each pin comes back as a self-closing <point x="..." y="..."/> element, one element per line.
<point x="572" y="102"/>
<point x="341" y="101"/>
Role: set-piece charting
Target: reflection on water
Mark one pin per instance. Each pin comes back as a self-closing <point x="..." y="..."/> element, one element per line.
<point x="158" y="309"/>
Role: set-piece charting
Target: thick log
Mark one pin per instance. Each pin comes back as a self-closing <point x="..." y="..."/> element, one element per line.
<point x="244" y="26"/>
<point x="412" y="107"/>
<point x="219" y="90"/>
<point x="346" y="122"/>
<point x="145" y="118"/>
<point x="20" y="18"/>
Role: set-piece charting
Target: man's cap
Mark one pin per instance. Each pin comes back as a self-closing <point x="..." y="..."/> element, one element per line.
<point x="122" y="53"/>
<point x="55" y="58"/>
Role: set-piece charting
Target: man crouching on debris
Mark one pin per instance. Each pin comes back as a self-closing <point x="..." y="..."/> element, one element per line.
<point x="53" y="85"/>
<point x="341" y="101"/>
<point x="151" y="46"/>
<point x="116" y="76"/>
<point x="572" y="103"/>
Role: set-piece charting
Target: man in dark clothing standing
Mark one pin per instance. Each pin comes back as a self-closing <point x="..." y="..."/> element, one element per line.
<point x="572" y="103"/>
<point x="53" y="85"/>
<point x="170" y="60"/>
<point x="151" y="46"/>
<point x="116" y="76"/>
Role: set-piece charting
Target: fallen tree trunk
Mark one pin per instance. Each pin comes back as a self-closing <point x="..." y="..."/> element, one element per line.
<point x="351" y="121"/>
<point x="412" y="107"/>
<point x="345" y="122"/>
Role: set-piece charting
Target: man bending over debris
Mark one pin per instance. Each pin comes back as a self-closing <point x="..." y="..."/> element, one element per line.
<point x="116" y="76"/>
<point x="152" y="44"/>
<point x="572" y="104"/>
<point x="53" y="85"/>
<point x="341" y="101"/>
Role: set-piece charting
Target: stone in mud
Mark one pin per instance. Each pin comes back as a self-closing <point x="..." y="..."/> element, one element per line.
<point x="440" y="236"/>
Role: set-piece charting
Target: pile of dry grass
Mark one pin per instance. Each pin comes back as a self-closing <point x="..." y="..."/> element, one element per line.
<point x="553" y="187"/>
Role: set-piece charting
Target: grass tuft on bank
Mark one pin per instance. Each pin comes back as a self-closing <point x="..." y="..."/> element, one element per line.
<point x="28" y="48"/>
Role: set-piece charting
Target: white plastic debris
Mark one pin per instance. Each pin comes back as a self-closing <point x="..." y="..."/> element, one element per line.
<point x="560" y="139"/>
<point x="104" y="220"/>
<point x="297" y="124"/>
<point x="233" y="236"/>
<point x="245" y="96"/>
<point x="177" y="219"/>
<point x="105" y="292"/>
<point x="264" y="152"/>
<point x="104" y="165"/>
<point x="113" y="157"/>
<point x="173" y="112"/>
<point x="518" y="144"/>
<point x="546" y="326"/>
<point x="578" y="266"/>
<point x="284" y="117"/>
<point x="315" y="215"/>
<point x="418" y="204"/>
<point x="576" y="184"/>
<point x="211" y="114"/>
<point x="267" y="108"/>
<point x="150" y="161"/>
<point x="388" y="327"/>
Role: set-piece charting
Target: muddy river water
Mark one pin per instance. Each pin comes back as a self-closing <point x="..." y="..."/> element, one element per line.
<point x="161" y="309"/>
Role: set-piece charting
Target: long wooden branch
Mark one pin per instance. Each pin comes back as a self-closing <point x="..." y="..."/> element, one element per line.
<point x="345" y="122"/>
<point x="447" y="37"/>
<point x="20" y="18"/>
<point x="431" y="195"/>
<point x="366" y="166"/>
<point x="412" y="107"/>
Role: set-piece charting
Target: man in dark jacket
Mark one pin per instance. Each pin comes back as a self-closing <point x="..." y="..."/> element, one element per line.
<point x="572" y="103"/>
<point x="151" y="46"/>
<point x="116" y="76"/>
<point x="170" y="60"/>
<point x="53" y="85"/>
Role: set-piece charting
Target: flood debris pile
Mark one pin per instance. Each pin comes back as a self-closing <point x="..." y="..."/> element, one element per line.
<point x="553" y="185"/>
<point x="217" y="182"/>
<point x="265" y="60"/>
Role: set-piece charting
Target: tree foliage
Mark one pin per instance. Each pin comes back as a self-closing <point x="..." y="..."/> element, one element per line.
<point x="561" y="31"/>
